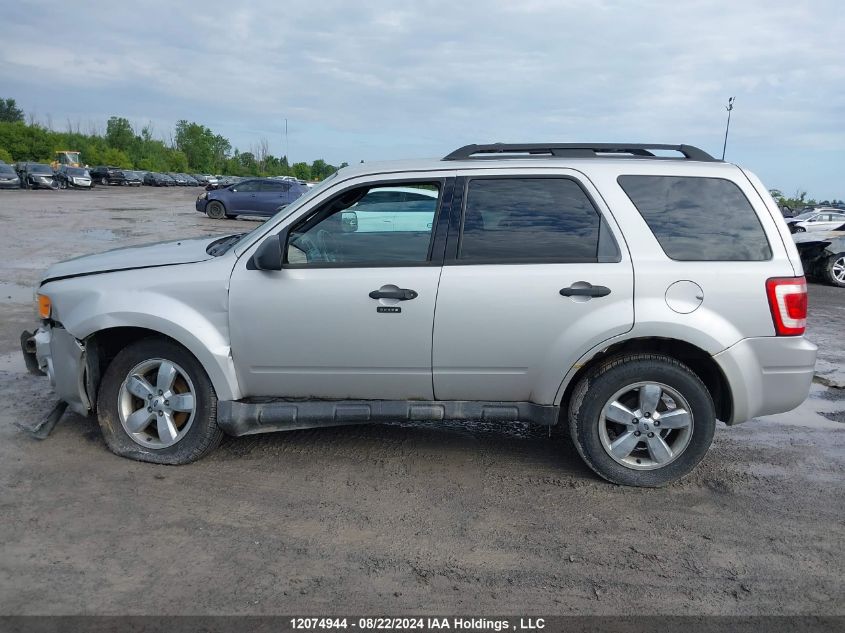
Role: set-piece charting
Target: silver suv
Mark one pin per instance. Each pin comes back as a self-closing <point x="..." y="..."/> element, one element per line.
<point x="629" y="295"/>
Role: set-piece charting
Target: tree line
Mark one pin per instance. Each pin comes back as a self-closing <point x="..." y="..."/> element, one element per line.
<point x="192" y="148"/>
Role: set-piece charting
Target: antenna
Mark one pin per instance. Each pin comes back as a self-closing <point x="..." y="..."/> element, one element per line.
<point x="729" y="107"/>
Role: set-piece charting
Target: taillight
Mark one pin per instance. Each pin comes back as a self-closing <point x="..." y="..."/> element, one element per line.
<point x="788" y="303"/>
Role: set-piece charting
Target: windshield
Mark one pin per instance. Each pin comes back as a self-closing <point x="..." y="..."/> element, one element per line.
<point x="5" y="169"/>
<point x="805" y="215"/>
<point x="41" y="169"/>
<point x="77" y="171"/>
<point x="292" y="207"/>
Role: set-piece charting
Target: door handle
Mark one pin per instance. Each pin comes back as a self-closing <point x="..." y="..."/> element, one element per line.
<point x="403" y="294"/>
<point x="588" y="290"/>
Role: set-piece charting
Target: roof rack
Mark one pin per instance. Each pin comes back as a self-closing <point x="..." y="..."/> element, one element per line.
<point x="575" y="150"/>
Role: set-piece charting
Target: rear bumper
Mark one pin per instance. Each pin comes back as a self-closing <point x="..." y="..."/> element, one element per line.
<point x="767" y="375"/>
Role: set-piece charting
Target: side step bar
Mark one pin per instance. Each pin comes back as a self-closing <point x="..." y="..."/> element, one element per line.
<point x="248" y="418"/>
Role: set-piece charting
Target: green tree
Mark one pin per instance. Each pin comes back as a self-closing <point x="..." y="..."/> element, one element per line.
<point x="119" y="134"/>
<point x="116" y="158"/>
<point x="5" y="156"/>
<point x="10" y="112"/>
<point x="301" y="171"/>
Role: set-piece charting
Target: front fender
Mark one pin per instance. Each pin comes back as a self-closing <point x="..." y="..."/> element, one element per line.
<point x="188" y="303"/>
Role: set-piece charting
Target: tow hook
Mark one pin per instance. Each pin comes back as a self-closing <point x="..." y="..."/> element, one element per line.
<point x="43" y="429"/>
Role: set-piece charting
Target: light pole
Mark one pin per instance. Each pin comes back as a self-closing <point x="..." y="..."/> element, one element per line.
<point x="287" y="145"/>
<point x="729" y="107"/>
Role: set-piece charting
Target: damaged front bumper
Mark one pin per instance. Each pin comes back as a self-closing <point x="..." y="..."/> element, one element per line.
<point x="54" y="352"/>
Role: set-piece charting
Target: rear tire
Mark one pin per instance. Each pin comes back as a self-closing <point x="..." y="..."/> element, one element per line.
<point x="835" y="270"/>
<point x="156" y="404"/>
<point x="215" y="210"/>
<point x="638" y="451"/>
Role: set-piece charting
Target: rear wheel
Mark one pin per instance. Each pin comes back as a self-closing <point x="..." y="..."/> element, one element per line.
<point x="156" y="404"/>
<point x="642" y="420"/>
<point x="215" y="210"/>
<point x="835" y="270"/>
<point x="104" y="181"/>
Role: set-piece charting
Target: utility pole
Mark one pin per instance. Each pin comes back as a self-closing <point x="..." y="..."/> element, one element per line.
<point x="287" y="144"/>
<point x="729" y="107"/>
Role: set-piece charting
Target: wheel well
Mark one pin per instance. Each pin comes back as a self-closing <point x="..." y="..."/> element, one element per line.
<point x="693" y="357"/>
<point x="101" y="348"/>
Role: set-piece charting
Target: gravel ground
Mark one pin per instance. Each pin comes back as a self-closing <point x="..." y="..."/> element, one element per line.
<point x="394" y="518"/>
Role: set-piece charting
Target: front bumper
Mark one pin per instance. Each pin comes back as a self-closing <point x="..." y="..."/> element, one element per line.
<point x="200" y="204"/>
<point x="10" y="184"/>
<point x="766" y="375"/>
<point x="55" y="352"/>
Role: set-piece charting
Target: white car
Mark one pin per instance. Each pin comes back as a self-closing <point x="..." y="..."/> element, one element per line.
<point x="820" y="220"/>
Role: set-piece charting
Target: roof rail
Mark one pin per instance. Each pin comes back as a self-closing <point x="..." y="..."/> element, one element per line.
<point x="575" y="150"/>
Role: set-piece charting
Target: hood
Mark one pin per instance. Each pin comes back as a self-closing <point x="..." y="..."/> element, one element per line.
<point x="149" y="255"/>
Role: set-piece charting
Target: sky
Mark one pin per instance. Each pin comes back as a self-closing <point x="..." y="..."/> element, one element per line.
<point x="377" y="79"/>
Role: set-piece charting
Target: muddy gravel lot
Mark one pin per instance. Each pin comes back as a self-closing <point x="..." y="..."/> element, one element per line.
<point x="394" y="518"/>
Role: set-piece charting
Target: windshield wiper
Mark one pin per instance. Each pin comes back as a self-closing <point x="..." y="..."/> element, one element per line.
<point x="218" y="247"/>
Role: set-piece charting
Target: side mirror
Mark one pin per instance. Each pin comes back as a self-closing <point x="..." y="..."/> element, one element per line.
<point x="348" y="221"/>
<point x="270" y="255"/>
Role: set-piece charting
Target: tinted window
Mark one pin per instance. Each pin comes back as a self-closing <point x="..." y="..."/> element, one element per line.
<point x="41" y="169"/>
<point x="269" y="185"/>
<point x="246" y="187"/>
<point x="5" y="169"/>
<point x="698" y="219"/>
<point x="512" y="219"/>
<point x="350" y="231"/>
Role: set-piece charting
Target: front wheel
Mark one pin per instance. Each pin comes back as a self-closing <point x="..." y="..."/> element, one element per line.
<point x="156" y="404"/>
<point x="835" y="270"/>
<point x="642" y="420"/>
<point x="104" y="181"/>
<point x="215" y="210"/>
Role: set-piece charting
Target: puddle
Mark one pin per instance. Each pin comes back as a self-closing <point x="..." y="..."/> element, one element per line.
<point x="14" y="293"/>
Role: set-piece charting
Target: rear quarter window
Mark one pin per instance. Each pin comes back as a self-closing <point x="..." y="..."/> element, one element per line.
<point x="698" y="219"/>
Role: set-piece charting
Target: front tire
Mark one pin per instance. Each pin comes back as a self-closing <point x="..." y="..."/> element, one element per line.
<point x="642" y="420"/>
<point x="835" y="270"/>
<point x="215" y="210"/>
<point x="156" y="404"/>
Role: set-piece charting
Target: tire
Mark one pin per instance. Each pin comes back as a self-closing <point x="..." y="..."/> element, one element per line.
<point x="195" y="430"/>
<point x="104" y="181"/>
<point x="63" y="184"/>
<point x="215" y="210"/>
<point x="834" y="270"/>
<point x="800" y="229"/>
<point x="616" y="381"/>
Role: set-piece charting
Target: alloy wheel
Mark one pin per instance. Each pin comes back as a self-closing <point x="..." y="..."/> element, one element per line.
<point x="156" y="403"/>
<point x="646" y="425"/>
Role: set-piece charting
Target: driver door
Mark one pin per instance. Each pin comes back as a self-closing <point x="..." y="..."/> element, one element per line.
<point x="350" y="315"/>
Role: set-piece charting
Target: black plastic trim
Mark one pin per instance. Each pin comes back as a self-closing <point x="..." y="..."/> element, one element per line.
<point x="575" y="150"/>
<point x="248" y="418"/>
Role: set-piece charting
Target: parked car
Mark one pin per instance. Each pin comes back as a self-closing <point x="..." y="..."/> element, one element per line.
<point x="133" y="178"/>
<point x="155" y="179"/>
<point x="36" y="176"/>
<point x="201" y="179"/>
<point x="178" y="179"/>
<point x="632" y="300"/>
<point x="823" y="220"/>
<point x="8" y="178"/>
<point x="192" y="182"/>
<point x="260" y="197"/>
<point x="74" y="178"/>
<point x="108" y="175"/>
<point x="824" y="258"/>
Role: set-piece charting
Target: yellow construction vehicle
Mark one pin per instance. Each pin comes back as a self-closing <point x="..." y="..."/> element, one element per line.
<point x="66" y="157"/>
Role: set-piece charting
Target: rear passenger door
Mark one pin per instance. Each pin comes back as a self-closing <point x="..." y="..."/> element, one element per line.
<point x="272" y="194"/>
<point x="535" y="274"/>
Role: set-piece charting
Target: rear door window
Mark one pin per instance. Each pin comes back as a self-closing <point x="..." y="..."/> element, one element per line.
<point x="698" y="219"/>
<point x="528" y="219"/>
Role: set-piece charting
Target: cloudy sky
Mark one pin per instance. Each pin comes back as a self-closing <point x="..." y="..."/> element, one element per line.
<point x="387" y="79"/>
